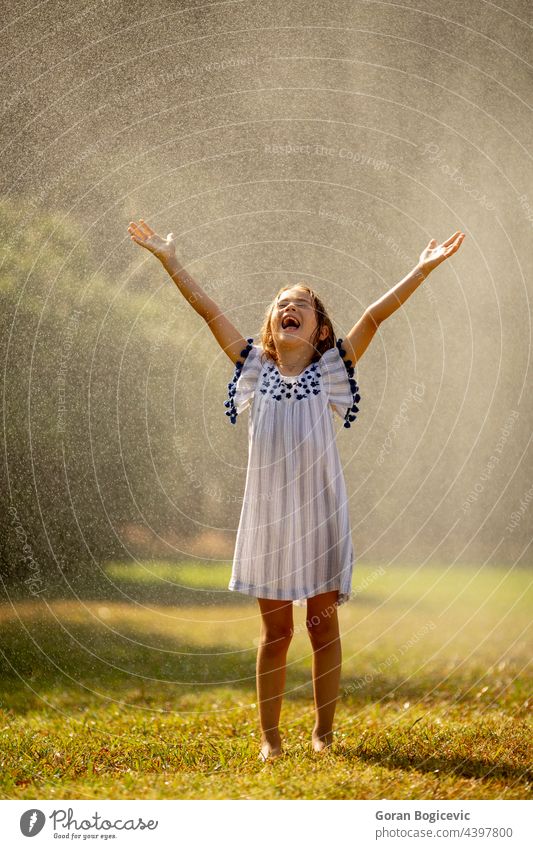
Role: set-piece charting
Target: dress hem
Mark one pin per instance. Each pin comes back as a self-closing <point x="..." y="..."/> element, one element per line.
<point x="251" y="590"/>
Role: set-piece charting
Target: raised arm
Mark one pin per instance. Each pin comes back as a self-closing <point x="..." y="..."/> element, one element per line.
<point x="358" y="339"/>
<point x="228" y="337"/>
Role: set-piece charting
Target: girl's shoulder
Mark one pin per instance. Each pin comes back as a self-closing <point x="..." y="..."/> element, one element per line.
<point x="340" y="385"/>
<point x="242" y="385"/>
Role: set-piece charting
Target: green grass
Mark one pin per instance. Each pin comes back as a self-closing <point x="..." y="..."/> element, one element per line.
<point x="183" y="575"/>
<point x="123" y="700"/>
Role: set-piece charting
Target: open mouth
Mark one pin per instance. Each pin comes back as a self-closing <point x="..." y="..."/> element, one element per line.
<point x="289" y="321"/>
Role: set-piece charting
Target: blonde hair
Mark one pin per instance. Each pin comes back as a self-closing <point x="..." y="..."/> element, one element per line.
<point x="322" y="320"/>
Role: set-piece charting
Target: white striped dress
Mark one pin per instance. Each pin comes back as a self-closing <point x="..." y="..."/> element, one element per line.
<point x="294" y="539"/>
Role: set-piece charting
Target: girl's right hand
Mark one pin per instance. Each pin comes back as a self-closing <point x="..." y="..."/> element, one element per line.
<point x="143" y="235"/>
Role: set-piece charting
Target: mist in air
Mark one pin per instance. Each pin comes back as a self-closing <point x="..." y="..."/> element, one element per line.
<point x="281" y="144"/>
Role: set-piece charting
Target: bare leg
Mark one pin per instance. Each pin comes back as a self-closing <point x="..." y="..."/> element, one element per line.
<point x="323" y="629"/>
<point x="276" y="634"/>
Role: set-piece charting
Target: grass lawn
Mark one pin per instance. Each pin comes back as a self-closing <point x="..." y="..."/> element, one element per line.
<point x="128" y="697"/>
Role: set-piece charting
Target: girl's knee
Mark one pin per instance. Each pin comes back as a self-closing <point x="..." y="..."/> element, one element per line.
<point x="276" y="637"/>
<point x="322" y="630"/>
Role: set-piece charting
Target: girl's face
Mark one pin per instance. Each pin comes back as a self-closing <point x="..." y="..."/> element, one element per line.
<point x="293" y="316"/>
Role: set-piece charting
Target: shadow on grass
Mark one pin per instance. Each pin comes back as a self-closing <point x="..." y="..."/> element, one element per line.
<point x="46" y="658"/>
<point x="413" y="688"/>
<point x="79" y="660"/>
<point x="436" y="760"/>
<point x="46" y="655"/>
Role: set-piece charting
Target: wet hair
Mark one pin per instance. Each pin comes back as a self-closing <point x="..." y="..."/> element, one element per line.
<point x="322" y="320"/>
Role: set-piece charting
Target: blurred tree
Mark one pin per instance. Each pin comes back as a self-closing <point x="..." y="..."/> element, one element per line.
<point x="91" y="405"/>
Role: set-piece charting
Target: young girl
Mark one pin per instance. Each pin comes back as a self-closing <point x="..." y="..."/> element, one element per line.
<point x="294" y="541"/>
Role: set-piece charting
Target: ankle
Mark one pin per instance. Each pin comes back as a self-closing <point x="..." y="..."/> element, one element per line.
<point x="322" y="731"/>
<point x="270" y="735"/>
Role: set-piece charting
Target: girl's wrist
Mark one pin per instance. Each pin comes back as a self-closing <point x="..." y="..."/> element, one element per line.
<point x="170" y="262"/>
<point x="422" y="269"/>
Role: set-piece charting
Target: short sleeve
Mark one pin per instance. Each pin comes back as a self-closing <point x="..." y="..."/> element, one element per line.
<point x="241" y="387"/>
<point x="339" y="383"/>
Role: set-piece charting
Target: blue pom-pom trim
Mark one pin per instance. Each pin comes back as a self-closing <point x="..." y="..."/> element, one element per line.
<point x="349" y="416"/>
<point x="232" y="385"/>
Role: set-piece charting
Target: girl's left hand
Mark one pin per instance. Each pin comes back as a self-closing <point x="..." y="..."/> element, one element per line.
<point x="434" y="254"/>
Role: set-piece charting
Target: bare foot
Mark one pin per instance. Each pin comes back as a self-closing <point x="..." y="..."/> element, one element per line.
<point x="321" y="742"/>
<point x="270" y="746"/>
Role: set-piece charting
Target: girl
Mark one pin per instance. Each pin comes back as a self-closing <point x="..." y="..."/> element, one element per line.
<point x="294" y="541"/>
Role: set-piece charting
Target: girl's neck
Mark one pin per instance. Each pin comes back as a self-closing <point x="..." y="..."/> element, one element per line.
<point x="288" y="370"/>
<point x="292" y="363"/>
